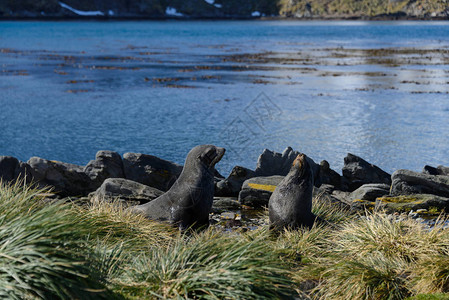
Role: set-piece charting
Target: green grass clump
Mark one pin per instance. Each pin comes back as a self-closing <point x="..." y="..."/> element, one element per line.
<point x="43" y="250"/>
<point x="210" y="265"/>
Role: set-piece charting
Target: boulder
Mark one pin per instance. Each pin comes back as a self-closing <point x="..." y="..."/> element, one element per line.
<point x="343" y="197"/>
<point x="225" y="204"/>
<point x="131" y="192"/>
<point x="231" y="186"/>
<point x="257" y="191"/>
<point x="107" y="164"/>
<point x="272" y="163"/>
<point x="150" y="170"/>
<point x="405" y="182"/>
<point x="329" y="176"/>
<point x="413" y="202"/>
<point x="324" y="193"/>
<point x="8" y="167"/>
<point x="440" y="170"/>
<point x="370" y="191"/>
<point x="358" y="172"/>
<point x="66" y="179"/>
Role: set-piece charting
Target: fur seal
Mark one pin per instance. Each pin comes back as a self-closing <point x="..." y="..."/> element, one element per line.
<point x="290" y="205"/>
<point x="188" y="202"/>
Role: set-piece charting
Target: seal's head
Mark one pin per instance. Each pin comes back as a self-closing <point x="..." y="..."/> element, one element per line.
<point x="300" y="164"/>
<point x="206" y="156"/>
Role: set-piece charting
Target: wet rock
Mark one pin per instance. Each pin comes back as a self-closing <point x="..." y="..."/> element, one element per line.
<point x="257" y="191"/>
<point x="107" y="164"/>
<point x="370" y="191"/>
<point x="8" y="167"/>
<point x="440" y="170"/>
<point x="150" y="170"/>
<point x="225" y="203"/>
<point x="125" y="190"/>
<point x="66" y="179"/>
<point x="405" y="182"/>
<point x="328" y="176"/>
<point x="231" y="186"/>
<point x="273" y="163"/>
<point x="414" y="202"/>
<point x="358" y="172"/>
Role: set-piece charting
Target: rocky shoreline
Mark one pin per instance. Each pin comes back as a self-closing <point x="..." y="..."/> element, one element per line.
<point x="222" y="10"/>
<point x="136" y="179"/>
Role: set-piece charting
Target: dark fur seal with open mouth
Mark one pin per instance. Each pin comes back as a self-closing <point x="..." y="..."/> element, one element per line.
<point x="290" y="205"/>
<point x="188" y="202"/>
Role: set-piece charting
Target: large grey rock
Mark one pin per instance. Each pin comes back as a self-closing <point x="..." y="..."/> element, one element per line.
<point x="405" y="182"/>
<point x="358" y="172"/>
<point x="414" y="202"/>
<point x="231" y="186"/>
<point x="329" y="176"/>
<point x="370" y="191"/>
<point x="131" y="192"/>
<point x="257" y="191"/>
<point x="440" y="170"/>
<point x="150" y="170"/>
<point x="107" y="164"/>
<point x="273" y="163"/>
<point x="67" y="179"/>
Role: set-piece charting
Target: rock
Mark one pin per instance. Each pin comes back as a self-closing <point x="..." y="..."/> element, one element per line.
<point x="231" y="186"/>
<point x="362" y="205"/>
<point x="358" y="172"/>
<point x="23" y="171"/>
<point x="8" y="167"/>
<point x="405" y="182"/>
<point x="328" y="176"/>
<point x="67" y="179"/>
<point x="272" y="163"/>
<point x="324" y="193"/>
<point x="107" y="164"/>
<point x="324" y="188"/>
<point x="150" y="170"/>
<point x="225" y="203"/>
<point x="440" y="170"/>
<point x="343" y="197"/>
<point x="12" y="169"/>
<point x="370" y="191"/>
<point x="413" y="202"/>
<point x="129" y="191"/>
<point x="257" y="191"/>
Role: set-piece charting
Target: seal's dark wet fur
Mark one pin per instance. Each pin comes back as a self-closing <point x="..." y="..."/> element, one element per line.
<point x="290" y="205"/>
<point x="188" y="202"/>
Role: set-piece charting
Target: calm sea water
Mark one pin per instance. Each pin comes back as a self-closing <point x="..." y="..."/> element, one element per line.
<point x="376" y="89"/>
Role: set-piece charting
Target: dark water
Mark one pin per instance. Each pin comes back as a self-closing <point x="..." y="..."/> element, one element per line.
<point x="375" y="89"/>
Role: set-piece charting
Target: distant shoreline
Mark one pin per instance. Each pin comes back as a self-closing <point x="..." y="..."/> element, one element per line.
<point x="235" y="18"/>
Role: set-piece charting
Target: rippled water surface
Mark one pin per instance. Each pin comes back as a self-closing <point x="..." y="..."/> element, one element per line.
<point x="376" y="89"/>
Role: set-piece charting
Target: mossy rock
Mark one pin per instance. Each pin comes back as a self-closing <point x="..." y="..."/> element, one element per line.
<point x="432" y="203"/>
<point x="360" y="204"/>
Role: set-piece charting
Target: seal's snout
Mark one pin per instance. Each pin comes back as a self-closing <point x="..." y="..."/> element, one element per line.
<point x="299" y="161"/>
<point x="219" y="155"/>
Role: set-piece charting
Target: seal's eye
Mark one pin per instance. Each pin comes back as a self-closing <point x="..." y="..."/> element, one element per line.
<point x="208" y="157"/>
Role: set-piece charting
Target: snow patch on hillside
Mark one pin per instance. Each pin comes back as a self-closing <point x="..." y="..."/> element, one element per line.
<point x="81" y="12"/>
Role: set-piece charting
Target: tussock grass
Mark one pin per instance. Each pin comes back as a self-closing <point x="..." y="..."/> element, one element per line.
<point x="209" y="265"/>
<point x="51" y="250"/>
<point x="43" y="253"/>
